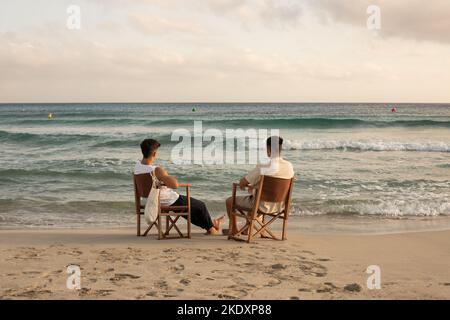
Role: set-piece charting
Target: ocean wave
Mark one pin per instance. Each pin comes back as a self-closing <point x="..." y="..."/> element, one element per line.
<point x="244" y="122"/>
<point x="348" y="145"/>
<point x="385" y="208"/>
<point x="322" y="123"/>
<point x="93" y="140"/>
<point x="100" y="141"/>
<point x="44" y="138"/>
<point x="11" y="175"/>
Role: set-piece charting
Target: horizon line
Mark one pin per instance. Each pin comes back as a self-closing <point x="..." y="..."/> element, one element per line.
<point x="225" y="102"/>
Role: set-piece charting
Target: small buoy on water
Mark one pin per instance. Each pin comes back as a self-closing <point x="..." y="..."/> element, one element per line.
<point x="50" y="116"/>
<point x="394" y="110"/>
<point x="194" y="110"/>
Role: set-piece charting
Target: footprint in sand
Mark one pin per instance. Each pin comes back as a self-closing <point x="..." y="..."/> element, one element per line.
<point x="279" y="266"/>
<point x="226" y="296"/>
<point x="30" y="272"/>
<point x="328" y="287"/>
<point x="186" y="282"/>
<point x="152" y="294"/>
<point x="162" y="285"/>
<point x="33" y="294"/>
<point x="273" y="282"/>
<point x="324" y="290"/>
<point x="103" y="293"/>
<point x="177" y="268"/>
<point x="77" y="252"/>
<point x="124" y="276"/>
<point x="313" y="269"/>
<point x="353" y="287"/>
<point x="331" y="285"/>
<point x="27" y="254"/>
<point x="84" y="292"/>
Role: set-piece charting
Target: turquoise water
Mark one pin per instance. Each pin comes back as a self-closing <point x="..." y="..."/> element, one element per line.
<point x="350" y="159"/>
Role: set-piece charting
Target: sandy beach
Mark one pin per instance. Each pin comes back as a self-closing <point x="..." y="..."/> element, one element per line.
<point x="115" y="264"/>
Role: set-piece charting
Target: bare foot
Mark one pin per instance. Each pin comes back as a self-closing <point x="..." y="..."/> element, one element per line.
<point x="218" y="222"/>
<point x="216" y="229"/>
<point x="213" y="232"/>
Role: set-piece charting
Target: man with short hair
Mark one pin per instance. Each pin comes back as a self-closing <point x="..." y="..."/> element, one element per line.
<point x="277" y="168"/>
<point x="168" y="197"/>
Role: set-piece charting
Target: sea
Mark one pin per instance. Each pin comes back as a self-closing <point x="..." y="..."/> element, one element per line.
<point x="358" y="166"/>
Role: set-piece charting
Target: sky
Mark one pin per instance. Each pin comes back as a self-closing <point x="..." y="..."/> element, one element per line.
<point x="224" y="51"/>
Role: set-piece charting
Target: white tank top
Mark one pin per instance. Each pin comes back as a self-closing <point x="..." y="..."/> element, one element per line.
<point x="167" y="196"/>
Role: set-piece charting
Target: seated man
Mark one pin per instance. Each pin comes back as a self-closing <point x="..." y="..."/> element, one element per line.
<point x="168" y="197"/>
<point x="277" y="168"/>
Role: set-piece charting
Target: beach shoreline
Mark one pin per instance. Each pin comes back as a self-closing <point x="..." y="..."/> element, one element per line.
<point x="115" y="264"/>
<point x="309" y="225"/>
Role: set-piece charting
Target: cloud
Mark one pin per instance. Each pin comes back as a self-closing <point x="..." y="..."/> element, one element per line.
<point x="152" y="25"/>
<point x="267" y="12"/>
<point x="411" y="19"/>
<point x="200" y="52"/>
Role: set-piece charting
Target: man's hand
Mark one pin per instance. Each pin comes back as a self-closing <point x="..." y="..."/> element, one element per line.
<point x="243" y="184"/>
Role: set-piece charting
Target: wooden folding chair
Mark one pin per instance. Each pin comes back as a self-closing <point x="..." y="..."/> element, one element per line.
<point x="142" y="186"/>
<point x="269" y="189"/>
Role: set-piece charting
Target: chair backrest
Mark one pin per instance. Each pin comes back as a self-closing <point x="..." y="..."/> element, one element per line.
<point x="142" y="186"/>
<point x="275" y="189"/>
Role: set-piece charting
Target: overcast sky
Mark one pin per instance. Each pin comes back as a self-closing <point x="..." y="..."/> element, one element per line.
<point x="225" y="51"/>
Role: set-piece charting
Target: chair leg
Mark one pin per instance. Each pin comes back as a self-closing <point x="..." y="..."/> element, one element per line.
<point x="138" y="225"/>
<point x="189" y="226"/>
<point x="250" y="231"/>
<point x="167" y="226"/>
<point x="230" y="226"/>
<point x="284" y="236"/>
<point x="159" y="228"/>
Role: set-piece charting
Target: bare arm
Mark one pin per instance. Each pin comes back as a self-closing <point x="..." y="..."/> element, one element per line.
<point x="164" y="177"/>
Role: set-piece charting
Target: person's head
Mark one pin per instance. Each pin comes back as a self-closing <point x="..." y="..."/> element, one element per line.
<point x="149" y="148"/>
<point x="274" y="146"/>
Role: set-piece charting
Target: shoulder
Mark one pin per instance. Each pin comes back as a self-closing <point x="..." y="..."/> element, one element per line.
<point x="159" y="171"/>
<point x="139" y="168"/>
<point x="288" y="165"/>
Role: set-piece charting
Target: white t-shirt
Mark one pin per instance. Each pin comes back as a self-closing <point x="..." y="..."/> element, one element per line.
<point x="167" y="196"/>
<point x="281" y="169"/>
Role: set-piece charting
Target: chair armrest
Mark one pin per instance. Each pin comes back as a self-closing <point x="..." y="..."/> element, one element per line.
<point x="188" y="191"/>
<point x="236" y="185"/>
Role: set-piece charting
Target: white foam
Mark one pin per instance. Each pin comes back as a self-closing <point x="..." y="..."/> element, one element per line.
<point x="391" y="208"/>
<point x="368" y="145"/>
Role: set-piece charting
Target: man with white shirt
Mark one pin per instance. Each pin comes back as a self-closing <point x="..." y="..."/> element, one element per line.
<point x="168" y="196"/>
<point x="277" y="168"/>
